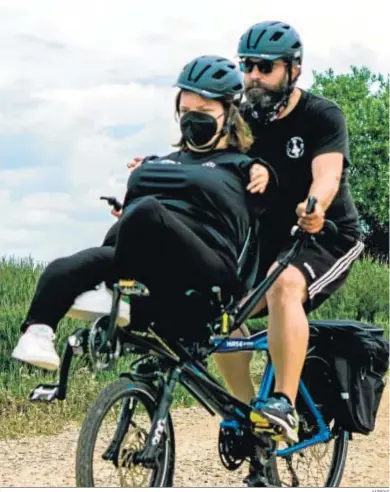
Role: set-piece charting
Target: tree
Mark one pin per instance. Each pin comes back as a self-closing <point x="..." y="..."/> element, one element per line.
<point x="364" y="98"/>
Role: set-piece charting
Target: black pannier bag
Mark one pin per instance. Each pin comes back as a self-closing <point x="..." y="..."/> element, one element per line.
<point x="345" y="370"/>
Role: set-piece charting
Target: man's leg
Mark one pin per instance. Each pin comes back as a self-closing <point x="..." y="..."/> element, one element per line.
<point x="288" y="330"/>
<point x="235" y="369"/>
<point x="316" y="274"/>
<point x="288" y="335"/>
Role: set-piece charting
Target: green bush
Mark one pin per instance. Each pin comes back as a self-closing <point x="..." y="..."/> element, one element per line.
<point x="365" y="297"/>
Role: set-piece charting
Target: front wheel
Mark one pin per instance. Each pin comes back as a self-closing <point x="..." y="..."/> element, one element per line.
<point x="115" y="428"/>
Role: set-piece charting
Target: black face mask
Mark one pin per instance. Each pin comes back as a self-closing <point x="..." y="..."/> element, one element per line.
<point x="198" y="128"/>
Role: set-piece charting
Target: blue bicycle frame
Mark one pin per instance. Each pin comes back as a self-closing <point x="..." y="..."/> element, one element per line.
<point x="259" y="342"/>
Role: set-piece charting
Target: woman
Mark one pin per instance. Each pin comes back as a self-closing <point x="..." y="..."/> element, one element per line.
<point x="185" y="219"/>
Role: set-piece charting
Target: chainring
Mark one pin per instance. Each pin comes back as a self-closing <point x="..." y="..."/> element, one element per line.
<point x="101" y="357"/>
<point x="232" y="447"/>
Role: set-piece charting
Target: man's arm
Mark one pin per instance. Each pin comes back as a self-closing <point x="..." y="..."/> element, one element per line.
<point x="330" y="155"/>
<point x="326" y="170"/>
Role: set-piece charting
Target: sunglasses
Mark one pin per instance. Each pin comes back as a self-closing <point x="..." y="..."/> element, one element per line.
<point x="263" y="66"/>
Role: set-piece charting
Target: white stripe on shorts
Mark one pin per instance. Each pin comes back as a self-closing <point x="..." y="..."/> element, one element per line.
<point x="337" y="269"/>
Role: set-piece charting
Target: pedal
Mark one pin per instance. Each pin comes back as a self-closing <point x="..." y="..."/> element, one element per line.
<point x="132" y="288"/>
<point x="77" y="345"/>
<point x="44" y="393"/>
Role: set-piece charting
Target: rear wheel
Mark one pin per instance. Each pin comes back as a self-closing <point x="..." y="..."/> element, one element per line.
<point x="115" y="428"/>
<point x="321" y="465"/>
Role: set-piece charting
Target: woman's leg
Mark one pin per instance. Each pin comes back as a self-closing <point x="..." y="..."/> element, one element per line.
<point x="169" y="258"/>
<point x="63" y="280"/>
<point x="165" y="252"/>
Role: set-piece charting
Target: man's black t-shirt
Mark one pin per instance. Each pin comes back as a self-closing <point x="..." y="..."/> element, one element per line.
<point x="206" y="191"/>
<point x="316" y="126"/>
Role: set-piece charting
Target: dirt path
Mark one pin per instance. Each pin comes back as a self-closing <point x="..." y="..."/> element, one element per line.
<point x="49" y="461"/>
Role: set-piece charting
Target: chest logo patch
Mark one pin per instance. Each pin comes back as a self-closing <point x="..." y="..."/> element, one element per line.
<point x="295" y="147"/>
<point x="168" y="161"/>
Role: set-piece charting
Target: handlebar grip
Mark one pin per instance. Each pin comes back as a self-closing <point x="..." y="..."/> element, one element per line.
<point x="311" y="204"/>
<point x="113" y="202"/>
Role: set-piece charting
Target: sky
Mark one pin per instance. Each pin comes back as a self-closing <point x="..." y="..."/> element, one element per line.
<point x="86" y="85"/>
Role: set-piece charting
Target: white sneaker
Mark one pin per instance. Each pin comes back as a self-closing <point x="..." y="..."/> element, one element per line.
<point x="36" y="346"/>
<point x="95" y="303"/>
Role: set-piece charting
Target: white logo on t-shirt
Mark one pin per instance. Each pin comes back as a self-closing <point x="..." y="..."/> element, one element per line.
<point x="168" y="161"/>
<point x="295" y="147"/>
<point x="209" y="164"/>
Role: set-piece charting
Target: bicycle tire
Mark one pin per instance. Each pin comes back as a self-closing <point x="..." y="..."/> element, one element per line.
<point x="117" y="390"/>
<point x="337" y="465"/>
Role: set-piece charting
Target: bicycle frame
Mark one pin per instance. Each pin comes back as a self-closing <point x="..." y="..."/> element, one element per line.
<point x="258" y="342"/>
<point x="181" y="367"/>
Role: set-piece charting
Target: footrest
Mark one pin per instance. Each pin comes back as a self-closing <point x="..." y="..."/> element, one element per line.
<point x="44" y="393"/>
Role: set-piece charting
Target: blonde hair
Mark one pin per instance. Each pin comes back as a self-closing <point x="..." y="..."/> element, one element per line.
<point x="239" y="135"/>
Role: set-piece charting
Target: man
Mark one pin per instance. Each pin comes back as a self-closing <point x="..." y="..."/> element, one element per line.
<point x="304" y="137"/>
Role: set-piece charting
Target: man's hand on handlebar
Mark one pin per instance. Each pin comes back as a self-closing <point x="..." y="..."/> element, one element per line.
<point x="312" y="222"/>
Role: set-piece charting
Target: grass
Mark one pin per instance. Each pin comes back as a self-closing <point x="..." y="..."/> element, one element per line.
<point x="364" y="297"/>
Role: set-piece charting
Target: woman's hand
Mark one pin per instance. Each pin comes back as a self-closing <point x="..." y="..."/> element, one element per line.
<point x="259" y="178"/>
<point x="136" y="162"/>
<point x="116" y="213"/>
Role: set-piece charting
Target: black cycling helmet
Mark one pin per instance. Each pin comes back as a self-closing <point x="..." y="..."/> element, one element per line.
<point x="271" y="40"/>
<point x="213" y="77"/>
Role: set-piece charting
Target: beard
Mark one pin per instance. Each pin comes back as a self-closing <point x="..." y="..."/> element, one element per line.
<point x="263" y="97"/>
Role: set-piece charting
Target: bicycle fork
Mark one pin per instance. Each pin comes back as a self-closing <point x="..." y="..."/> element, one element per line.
<point x="149" y="456"/>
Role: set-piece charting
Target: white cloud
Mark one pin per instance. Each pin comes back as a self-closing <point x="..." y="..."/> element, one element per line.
<point x="47" y="200"/>
<point x="74" y="71"/>
<point x="11" y="178"/>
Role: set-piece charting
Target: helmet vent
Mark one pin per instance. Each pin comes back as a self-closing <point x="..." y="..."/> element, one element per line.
<point x="276" y="36"/>
<point x="286" y="26"/>
<point x="218" y="75"/>
<point x="248" y="42"/>
<point x="197" y="77"/>
<point x="296" y="45"/>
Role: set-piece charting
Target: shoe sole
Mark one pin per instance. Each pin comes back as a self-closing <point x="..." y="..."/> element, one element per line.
<point x="289" y="434"/>
<point x="84" y="315"/>
<point x="50" y="366"/>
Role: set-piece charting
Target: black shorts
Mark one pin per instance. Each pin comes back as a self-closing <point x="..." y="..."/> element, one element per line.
<point x="325" y="263"/>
